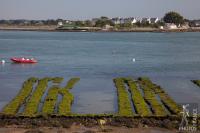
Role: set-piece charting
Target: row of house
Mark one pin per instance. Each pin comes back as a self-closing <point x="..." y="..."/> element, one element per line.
<point x="194" y="23"/>
<point x="118" y="20"/>
<point x="133" y="20"/>
<point x="61" y="23"/>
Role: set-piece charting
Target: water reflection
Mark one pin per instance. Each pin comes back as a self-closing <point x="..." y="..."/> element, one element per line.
<point x="23" y="65"/>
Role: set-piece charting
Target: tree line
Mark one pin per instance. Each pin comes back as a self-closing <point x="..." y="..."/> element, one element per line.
<point x="170" y="17"/>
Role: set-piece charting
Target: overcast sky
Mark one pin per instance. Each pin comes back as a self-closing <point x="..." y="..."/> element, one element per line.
<point x="86" y="9"/>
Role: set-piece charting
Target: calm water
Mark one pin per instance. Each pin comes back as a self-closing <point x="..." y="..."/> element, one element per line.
<point x="169" y="59"/>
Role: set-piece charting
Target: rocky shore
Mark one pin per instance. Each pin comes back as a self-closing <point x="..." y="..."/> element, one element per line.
<point x="82" y="129"/>
<point x="89" y="124"/>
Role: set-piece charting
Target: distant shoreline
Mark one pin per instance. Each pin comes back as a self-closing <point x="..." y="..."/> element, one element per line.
<point x="27" y="28"/>
<point x="53" y="28"/>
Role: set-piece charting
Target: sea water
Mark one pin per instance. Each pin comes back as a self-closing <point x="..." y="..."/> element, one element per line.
<point x="171" y="60"/>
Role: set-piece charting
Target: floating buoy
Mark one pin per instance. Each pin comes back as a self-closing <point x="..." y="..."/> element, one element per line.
<point x="3" y="61"/>
<point x="133" y="60"/>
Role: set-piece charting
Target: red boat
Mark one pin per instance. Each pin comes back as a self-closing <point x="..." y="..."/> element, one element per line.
<point x="23" y="60"/>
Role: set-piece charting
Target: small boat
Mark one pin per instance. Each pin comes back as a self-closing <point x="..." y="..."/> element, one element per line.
<point x="23" y="60"/>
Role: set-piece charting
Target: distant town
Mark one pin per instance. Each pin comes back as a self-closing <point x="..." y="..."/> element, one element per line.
<point x="171" y="21"/>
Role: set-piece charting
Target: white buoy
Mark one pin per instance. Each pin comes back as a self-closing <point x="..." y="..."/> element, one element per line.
<point x="133" y="60"/>
<point x="3" y="61"/>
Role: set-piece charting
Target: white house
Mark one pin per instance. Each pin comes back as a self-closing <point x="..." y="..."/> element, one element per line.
<point x="107" y="27"/>
<point x="124" y="20"/>
<point x="60" y="23"/>
<point x="161" y="27"/>
<point x="116" y="20"/>
<point x="195" y="23"/>
<point x="133" y="21"/>
<point x="154" y="20"/>
<point x="130" y="20"/>
<point x="146" y="20"/>
<point x="68" y="22"/>
<point x="170" y="26"/>
<point x="39" y="23"/>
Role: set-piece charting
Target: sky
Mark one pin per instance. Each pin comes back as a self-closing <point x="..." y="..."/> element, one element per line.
<point x="87" y="9"/>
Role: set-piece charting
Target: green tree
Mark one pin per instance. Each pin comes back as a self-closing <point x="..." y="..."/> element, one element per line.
<point x="127" y="25"/>
<point x="145" y="24"/>
<point x="173" y="17"/>
<point x="79" y="23"/>
<point x="103" y="21"/>
<point x="138" y="24"/>
<point x="104" y="18"/>
<point x="88" y="23"/>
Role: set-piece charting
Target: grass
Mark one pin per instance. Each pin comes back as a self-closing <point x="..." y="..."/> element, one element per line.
<point x="138" y="100"/>
<point x="31" y="107"/>
<point x="150" y="96"/>
<point x="50" y="101"/>
<point x="124" y="104"/>
<point x="13" y="107"/>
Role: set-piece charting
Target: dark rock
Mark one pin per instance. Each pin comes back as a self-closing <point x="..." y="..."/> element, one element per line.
<point x="107" y="130"/>
<point x="34" y="131"/>
<point x="89" y="131"/>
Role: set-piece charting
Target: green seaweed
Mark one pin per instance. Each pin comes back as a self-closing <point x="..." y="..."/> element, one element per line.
<point x="71" y="83"/>
<point x="31" y="107"/>
<point x="57" y="80"/>
<point x="138" y="100"/>
<point x="168" y="102"/>
<point x="124" y="104"/>
<point x="197" y="82"/>
<point x="151" y="92"/>
<point x="50" y="101"/>
<point x="13" y="107"/>
<point x="171" y="105"/>
<point x="150" y="97"/>
<point x="64" y="107"/>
